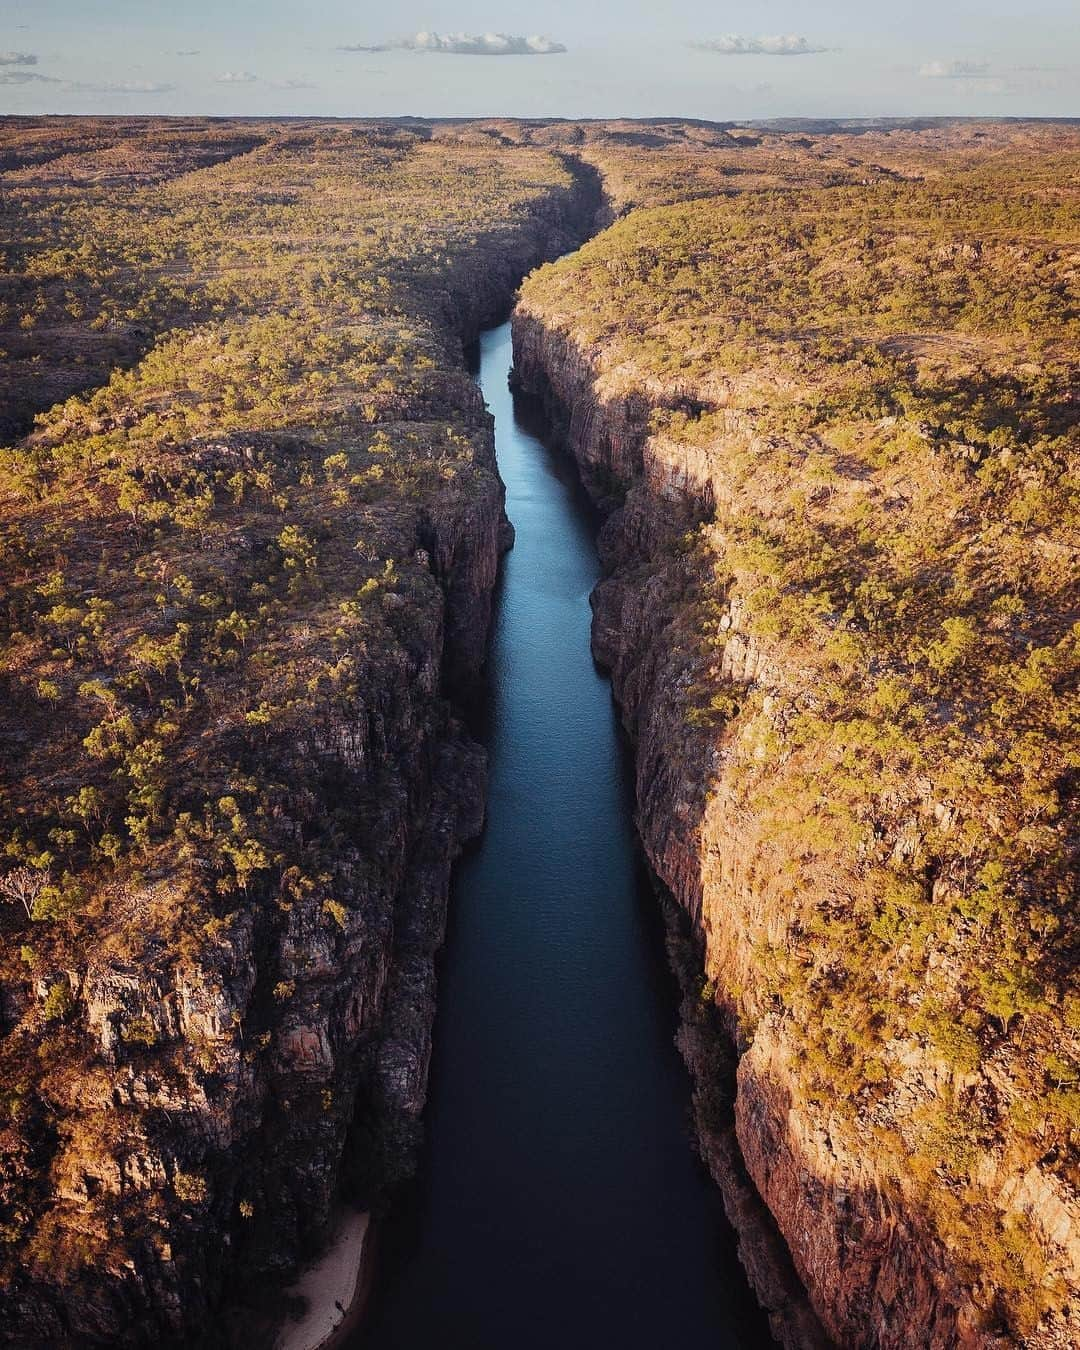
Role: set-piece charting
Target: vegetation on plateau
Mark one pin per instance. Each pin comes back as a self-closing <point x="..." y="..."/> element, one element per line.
<point x="874" y="383"/>
<point x="235" y="413"/>
<point x="243" y="346"/>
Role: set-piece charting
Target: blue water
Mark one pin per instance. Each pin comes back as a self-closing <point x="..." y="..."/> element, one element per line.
<point x="561" y="1204"/>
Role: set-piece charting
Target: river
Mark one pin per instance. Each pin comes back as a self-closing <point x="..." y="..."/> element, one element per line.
<point x="560" y="1203"/>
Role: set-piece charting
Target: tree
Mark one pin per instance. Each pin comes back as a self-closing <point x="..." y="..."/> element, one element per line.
<point x="23" y="885"/>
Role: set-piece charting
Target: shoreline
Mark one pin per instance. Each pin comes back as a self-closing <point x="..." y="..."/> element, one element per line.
<point x="334" y="1287"/>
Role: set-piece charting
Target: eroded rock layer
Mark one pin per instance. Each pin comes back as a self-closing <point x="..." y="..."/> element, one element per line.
<point x="811" y="419"/>
<point x="243" y="580"/>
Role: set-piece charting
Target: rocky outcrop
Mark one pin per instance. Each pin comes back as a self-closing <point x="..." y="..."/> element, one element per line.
<point x="648" y="499"/>
<point x="222" y="1087"/>
<point x="241" y="1085"/>
<point x="853" y="1229"/>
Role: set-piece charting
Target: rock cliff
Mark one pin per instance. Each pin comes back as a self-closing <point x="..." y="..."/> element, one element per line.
<point x="648" y="501"/>
<point x="202" y="1048"/>
<point x="843" y="1218"/>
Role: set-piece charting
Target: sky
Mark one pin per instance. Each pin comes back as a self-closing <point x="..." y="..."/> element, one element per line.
<point x="537" y="58"/>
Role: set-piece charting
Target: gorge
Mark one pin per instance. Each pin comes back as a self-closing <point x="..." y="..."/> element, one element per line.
<point x="558" y="1158"/>
<point x="800" y="453"/>
<point x="812" y="392"/>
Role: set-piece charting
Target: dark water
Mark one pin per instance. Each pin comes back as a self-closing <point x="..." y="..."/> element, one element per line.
<point x="561" y="1204"/>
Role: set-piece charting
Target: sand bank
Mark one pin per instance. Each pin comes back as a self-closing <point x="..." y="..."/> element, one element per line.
<point x="332" y="1286"/>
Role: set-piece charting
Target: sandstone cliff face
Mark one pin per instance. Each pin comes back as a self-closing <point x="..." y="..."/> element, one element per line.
<point x="875" y="1270"/>
<point x="228" y="1080"/>
<point x="221" y="1088"/>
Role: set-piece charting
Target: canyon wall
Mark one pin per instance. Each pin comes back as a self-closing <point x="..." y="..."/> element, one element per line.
<point x="647" y="502"/>
<point x="819" y="1206"/>
<point x="193" y="1084"/>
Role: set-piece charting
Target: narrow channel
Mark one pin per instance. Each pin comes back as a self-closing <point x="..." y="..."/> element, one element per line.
<point x="561" y="1204"/>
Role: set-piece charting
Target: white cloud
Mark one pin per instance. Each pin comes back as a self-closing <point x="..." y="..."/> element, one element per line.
<point x="18" y="59"/>
<point x="139" y="87"/>
<point x="190" y="52"/>
<point x="954" y="70"/>
<point x="237" y="77"/>
<point x="25" y="77"/>
<point x="294" y="84"/>
<point x="987" y="86"/>
<point x="116" y="87"/>
<point x="982" y="79"/>
<point x="782" y="44"/>
<point x="466" y="44"/>
<point x="135" y="87"/>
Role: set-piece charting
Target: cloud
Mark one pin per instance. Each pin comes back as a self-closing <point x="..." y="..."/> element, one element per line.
<point x="466" y="44"/>
<point x="82" y="87"/>
<point x="191" y="52"/>
<point x="18" y="59"/>
<point x="25" y="77"/>
<point x="954" y="70"/>
<point x="138" y="87"/>
<point x="982" y="79"/>
<point x="782" y="44"/>
<point x="237" y="77"/>
<point x="116" y="87"/>
<point x="294" y="84"/>
<point x="982" y="85"/>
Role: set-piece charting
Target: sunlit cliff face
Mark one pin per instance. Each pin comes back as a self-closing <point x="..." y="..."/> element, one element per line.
<point x="852" y="683"/>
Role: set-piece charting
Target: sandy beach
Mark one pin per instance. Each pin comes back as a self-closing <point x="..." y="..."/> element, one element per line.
<point x="332" y="1288"/>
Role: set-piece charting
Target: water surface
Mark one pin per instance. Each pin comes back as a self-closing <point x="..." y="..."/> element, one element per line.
<point x="561" y="1204"/>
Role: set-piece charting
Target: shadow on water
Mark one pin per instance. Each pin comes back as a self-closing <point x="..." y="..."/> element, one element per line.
<point x="560" y="1203"/>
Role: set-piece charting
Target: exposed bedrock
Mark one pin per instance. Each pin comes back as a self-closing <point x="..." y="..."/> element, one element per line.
<point x="223" y="1091"/>
<point x="812" y="1206"/>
